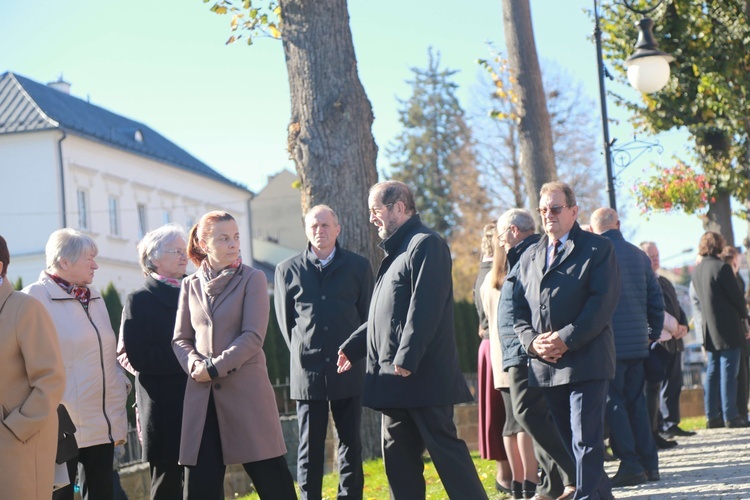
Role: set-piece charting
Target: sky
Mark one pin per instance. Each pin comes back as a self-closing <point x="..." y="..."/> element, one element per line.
<point x="165" y="64"/>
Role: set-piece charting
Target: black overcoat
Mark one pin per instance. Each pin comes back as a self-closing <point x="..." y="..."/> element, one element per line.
<point x="148" y="320"/>
<point x="410" y="325"/>
<point x="722" y="304"/>
<point x="318" y="309"/>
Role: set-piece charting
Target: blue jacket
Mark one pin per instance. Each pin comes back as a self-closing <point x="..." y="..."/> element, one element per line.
<point x="513" y="352"/>
<point x="640" y="311"/>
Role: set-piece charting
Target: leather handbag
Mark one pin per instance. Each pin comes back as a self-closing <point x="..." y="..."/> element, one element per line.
<point x="656" y="363"/>
<point x="67" y="447"/>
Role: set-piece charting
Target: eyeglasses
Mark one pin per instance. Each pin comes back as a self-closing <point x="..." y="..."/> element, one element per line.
<point x="379" y="210"/>
<point x="554" y="210"/>
<point x="181" y="253"/>
<point x="501" y="234"/>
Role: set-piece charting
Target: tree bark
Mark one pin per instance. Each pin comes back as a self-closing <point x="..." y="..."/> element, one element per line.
<point x="719" y="217"/>
<point x="535" y="133"/>
<point x="330" y="131"/>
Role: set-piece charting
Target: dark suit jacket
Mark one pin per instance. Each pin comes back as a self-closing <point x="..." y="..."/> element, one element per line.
<point x="722" y="304"/>
<point x="317" y="309"/>
<point x="575" y="297"/>
<point x="672" y="306"/>
<point x="410" y="325"/>
<point x="147" y="327"/>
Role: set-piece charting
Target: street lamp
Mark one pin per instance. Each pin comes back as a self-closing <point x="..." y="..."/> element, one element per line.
<point x="648" y="72"/>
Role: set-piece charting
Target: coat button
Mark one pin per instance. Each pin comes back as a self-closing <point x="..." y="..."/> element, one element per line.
<point x="217" y="387"/>
<point x="323" y="297"/>
<point x="328" y="360"/>
<point x="325" y="328"/>
<point x="543" y="307"/>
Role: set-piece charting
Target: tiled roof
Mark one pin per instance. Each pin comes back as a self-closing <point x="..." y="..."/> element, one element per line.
<point x="26" y="106"/>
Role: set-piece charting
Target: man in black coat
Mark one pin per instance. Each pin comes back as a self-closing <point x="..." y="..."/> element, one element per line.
<point x="321" y="296"/>
<point x="566" y="293"/>
<point x="413" y="376"/>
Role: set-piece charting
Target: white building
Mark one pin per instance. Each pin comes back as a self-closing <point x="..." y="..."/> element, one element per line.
<point x="67" y="163"/>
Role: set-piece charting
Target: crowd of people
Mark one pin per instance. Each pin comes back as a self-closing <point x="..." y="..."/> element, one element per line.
<point x="568" y="320"/>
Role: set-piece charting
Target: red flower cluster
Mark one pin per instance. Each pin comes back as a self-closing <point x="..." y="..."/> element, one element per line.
<point x="674" y="188"/>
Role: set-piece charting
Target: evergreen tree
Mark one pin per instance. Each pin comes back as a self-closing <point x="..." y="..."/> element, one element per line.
<point x="114" y="306"/>
<point x="18" y="285"/>
<point x="434" y="155"/>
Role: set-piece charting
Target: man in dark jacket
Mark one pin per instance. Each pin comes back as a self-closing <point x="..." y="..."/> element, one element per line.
<point x="321" y="296"/>
<point x="637" y="321"/>
<point x="567" y="289"/>
<point x="412" y="375"/>
<point x="516" y="230"/>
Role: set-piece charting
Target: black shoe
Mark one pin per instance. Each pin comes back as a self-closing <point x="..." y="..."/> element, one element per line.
<point x="653" y="475"/>
<point x="502" y="489"/>
<point x="517" y="489"/>
<point x="675" y="430"/>
<point x="529" y="489"/>
<point x="714" y="423"/>
<point x="737" y="423"/>
<point x="620" y="480"/>
<point x="663" y="444"/>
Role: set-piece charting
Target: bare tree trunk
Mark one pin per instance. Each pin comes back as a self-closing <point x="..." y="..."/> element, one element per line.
<point x="330" y="136"/>
<point x="719" y="217"/>
<point x="535" y="133"/>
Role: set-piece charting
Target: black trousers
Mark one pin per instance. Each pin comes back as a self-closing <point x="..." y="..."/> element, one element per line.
<point x="205" y="480"/>
<point x="93" y="465"/>
<point x="312" y="417"/>
<point x="669" y="406"/>
<point x="166" y="480"/>
<point x="406" y="434"/>
<point x="743" y="383"/>
<point x="531" y="411"/>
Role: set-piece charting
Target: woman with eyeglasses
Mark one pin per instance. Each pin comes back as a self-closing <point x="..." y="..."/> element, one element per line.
<point x="146" y="332"/>
<point x="230" y="414"/>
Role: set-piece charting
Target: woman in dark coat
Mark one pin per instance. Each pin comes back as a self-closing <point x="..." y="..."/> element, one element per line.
<point x="723" y="311"/>
<point x="147" y="327"/>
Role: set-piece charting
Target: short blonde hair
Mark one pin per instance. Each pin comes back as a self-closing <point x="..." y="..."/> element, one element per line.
<point x="67" y="244"/>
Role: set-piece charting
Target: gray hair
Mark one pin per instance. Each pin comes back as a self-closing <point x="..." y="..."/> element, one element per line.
<point x="152" y="245"/>
<point x="67" y="244"/>
<point x="518" y="217"/>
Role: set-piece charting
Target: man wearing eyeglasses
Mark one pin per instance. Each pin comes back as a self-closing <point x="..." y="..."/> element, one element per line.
<point x="412" y="375"/>
<point x="321" y="296"/>
<point x="566" y="293"/>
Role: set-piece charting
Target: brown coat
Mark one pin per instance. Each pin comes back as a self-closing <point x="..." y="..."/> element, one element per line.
<point x="230" y="332"/>
<point x="32" y="381"/>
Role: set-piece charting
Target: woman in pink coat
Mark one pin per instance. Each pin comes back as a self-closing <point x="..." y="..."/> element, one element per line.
<point x="229" y="413"/>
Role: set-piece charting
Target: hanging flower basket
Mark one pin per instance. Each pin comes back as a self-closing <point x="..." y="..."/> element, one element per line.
<point x="677" y="188"/>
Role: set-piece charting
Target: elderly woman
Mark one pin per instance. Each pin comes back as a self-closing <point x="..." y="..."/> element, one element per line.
<point x="32" y="380"/>
<point x="146" y="331"/>
<point x="723" y="310"/>
<point x="95" y="389"/>
<point x="230" y="414"/>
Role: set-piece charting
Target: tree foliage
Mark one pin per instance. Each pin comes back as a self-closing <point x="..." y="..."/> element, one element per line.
<point x="434" y="154"/>
<point x="494" y="116"/>
<point x="707" y="93"/>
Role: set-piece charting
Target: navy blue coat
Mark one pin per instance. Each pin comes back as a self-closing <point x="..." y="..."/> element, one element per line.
<point x="317" y="309"/>
<point x="575" y="297"/>
<point x="640" y="310"/>
<point x="513" y="352"/>
<point x="410" y="325"/>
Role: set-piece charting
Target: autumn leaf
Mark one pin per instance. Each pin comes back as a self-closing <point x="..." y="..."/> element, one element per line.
<point x="231" y="40"/>
<point x="274" y="31"/>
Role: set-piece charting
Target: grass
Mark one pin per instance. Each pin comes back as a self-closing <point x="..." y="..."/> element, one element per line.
<point x="376" y="483"/>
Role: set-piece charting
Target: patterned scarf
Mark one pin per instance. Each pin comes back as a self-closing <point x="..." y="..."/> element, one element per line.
<point x="173" y="282"/>
<point x="214" y="282"/>
<point x="82" y="293"/>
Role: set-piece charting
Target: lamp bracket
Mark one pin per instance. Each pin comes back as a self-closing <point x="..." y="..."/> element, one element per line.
<point x="629" y="152"/>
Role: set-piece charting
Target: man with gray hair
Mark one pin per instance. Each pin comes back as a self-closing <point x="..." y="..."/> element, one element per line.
<point x="516" y="233"/>
<point x="637" y="321"/>
<point x="321" y="295"/>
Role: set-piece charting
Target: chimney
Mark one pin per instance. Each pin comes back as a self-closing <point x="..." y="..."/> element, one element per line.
<point x="60" y="85"/>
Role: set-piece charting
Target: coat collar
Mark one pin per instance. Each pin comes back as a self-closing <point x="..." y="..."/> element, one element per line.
<point x="393" y="242"/>
<point x="209" y="307"/>
<point x="514" y="254"/>
<point x="5" y="290"/>
<point x="56" y="293"/>
<point x="540" y="251"/>
<point x="313" y="259"/>
<point x="167" y="295"/>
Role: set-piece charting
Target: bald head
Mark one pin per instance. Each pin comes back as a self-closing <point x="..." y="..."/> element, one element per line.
<point x="603" y="219"/>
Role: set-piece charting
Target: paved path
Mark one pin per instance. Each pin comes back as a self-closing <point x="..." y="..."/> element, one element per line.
<point x="713" y="464"/>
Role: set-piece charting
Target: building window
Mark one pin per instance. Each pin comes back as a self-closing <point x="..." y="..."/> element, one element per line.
<point x="114" y="216"/>
<point x="142" y="222"/>
<point x="167" y="217"/>
<point x="82" y="198"/>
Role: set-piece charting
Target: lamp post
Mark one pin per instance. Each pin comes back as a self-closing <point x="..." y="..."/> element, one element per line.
<point x="648" y="72"/>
